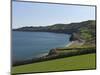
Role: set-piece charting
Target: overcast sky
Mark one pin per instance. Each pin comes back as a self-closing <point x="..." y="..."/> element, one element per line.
<point x="42" y="14"/>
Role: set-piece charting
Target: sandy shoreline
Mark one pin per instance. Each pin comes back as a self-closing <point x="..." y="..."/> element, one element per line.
<point x="70" y="43"/>
<point x="77" y="43"/>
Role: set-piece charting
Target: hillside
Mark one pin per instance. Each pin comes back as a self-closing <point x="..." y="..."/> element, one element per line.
<point x="64" y="28"/>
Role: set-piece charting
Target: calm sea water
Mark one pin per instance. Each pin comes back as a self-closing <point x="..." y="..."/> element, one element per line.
<point x="27" y="45"/>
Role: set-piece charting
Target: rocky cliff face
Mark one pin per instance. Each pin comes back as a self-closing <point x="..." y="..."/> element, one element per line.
<point x="52" y="52"/>
<point x="74" y="37"/>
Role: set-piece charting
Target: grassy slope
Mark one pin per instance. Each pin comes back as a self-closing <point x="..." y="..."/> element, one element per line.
<point x="71" y="63"/>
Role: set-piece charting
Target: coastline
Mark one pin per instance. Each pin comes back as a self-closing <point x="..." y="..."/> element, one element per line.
<point x="52" y="54"/>
<point x="41" y="55"/>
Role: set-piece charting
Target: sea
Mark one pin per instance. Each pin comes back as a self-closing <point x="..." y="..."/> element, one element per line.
<point x="28" y="45"/>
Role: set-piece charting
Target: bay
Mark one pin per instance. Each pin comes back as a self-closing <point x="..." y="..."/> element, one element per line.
<point x="27" y="45"/>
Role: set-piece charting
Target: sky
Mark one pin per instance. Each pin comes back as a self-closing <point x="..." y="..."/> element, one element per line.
<point x="43" y="14"/>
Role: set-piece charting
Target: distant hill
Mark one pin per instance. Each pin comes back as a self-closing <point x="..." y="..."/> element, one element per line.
<point x="64" y="28"/>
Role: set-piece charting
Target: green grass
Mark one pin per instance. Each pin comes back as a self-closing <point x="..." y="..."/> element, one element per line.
<point x="69" y="63"/>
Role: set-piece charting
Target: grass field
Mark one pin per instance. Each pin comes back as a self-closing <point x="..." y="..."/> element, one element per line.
<point x="69" y="63"/>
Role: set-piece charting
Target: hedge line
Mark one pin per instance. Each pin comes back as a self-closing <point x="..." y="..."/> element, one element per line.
<point x="55" y="56"/>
